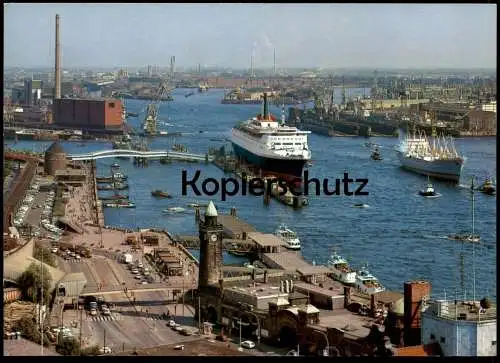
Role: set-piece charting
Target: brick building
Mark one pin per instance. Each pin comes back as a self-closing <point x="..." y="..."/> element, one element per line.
<point x="88" y="114"/>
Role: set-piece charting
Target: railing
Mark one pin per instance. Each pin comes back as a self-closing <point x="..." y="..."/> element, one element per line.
<point x="137" y="153"/>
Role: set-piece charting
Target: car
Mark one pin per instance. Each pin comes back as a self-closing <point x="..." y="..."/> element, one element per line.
<point x="106" y="312"/>
<point x="144" y="282"/>
<point x="138" y="277"/>
<point x="105" y="350"/>
<point x="77" y="257"/>
<point x="140" y="265"/>
<point x="54" y="249"/>
<point x="135" y="271"/>
<point x="100" y="300"/>
<point x="93" y="312"/>
<point x="171" y="323"/>
<point x="178" y="328"/>
<point x="248" y="344"/>
<point x="104" y="307"/>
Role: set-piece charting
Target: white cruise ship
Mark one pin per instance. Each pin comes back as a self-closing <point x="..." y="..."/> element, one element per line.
<point x="341" y="270"/>
<point x="290" y="237"/>
<point x="275" y="148"/>
<point x="439" y="159"/>
<point x="367" y="283"/>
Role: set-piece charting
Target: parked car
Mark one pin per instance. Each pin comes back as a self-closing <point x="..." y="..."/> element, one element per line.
<point x="248" y="344"/>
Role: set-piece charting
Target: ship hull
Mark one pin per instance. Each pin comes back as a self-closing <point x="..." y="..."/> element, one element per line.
<point x="440" y="169"/>
<point x="287" y="168"/>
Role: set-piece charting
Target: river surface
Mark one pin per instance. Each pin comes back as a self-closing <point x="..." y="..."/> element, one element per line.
<point x="401" y="236"/>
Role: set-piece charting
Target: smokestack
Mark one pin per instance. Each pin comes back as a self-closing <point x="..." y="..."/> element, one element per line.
<point x="251" y="66"/>
<point x="57" y="91"/>
<point x="274" y="63"/>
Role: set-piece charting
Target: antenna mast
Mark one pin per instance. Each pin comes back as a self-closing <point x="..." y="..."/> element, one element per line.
<point x="473" y="247"/>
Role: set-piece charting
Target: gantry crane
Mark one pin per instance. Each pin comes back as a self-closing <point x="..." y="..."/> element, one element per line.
<point x="151" y="119"/>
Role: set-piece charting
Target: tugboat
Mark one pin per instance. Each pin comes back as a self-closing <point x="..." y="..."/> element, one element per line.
<point x="367" y="283"/>
<point x="429" y="191"/>
<point x="160" y="194"/>
<point x="341" y="270"/>
<point x="292" y="242"/>
<point x="376" y="154"/>
<point x="487" y="187"/>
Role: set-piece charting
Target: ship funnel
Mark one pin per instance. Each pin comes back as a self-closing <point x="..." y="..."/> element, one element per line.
<point x="266" y="111"/>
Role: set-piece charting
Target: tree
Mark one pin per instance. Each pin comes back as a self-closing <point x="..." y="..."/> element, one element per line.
<point x="43" y="254"/>
<point x="30" y="330"/>
<point x="68" y="346"/>
<point x="31" y="283"/>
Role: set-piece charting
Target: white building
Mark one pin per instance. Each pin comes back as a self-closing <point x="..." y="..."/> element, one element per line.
<point x="491" y="106"/>
<point x="462" y="329"/>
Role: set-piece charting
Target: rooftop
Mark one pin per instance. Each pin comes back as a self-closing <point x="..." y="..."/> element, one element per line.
<point x="351" y="324"/>
<point x="313" y="270"/>
<point x="460" y="310"/>
<point x="265" y="239"/>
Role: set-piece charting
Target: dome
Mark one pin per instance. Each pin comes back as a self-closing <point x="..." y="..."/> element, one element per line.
<point x="55" y="148"/>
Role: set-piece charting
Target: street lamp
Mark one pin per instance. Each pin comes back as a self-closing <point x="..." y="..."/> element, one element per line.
<point x="326" y="352"/>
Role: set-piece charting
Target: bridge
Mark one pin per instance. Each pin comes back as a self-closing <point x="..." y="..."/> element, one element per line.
<point x="97" y="290"/>
<point x="174" y="155"/>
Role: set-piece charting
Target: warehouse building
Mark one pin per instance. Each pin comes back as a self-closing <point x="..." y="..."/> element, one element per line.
<point x="88" y="114"/>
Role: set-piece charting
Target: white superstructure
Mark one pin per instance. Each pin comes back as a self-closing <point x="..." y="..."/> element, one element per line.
<point x="367" y="283"/>
<point x="290" y="237"/>
<point x="268" y="139"/>
<point x="341" y="270"/>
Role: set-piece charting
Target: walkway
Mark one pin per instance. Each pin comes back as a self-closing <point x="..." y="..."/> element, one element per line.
<point x="140" y="154"/>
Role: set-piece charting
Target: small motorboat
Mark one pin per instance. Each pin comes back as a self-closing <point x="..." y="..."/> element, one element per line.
<point x="465" y="237"/>
<point x="160" y="194"/>
<point x="376" y="154"/>
<point x="361" y="205"/>
<point x="487" y="187"/>
<point x="429" y="191"/>
<point x="174" y="210"/>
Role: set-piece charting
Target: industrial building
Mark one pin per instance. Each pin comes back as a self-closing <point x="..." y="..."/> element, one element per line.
<point x="32" y="92"/>
<point x="88" y="114"/>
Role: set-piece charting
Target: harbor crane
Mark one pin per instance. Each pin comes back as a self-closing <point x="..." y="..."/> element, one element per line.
<point x="151" y="119"/>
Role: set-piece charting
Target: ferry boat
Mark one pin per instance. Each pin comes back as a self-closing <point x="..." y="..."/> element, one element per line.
<point x="487" y="187"/>
<point x="439" y="160"/>
<point x="160" y="194"/>
<point x="291" y="239"/>
<point x="273" y="147"/>
<point x="367" y="283"/>
<point x="341" y="270"/>
<point x="119" y="204"/>
<point x="109" y="179"/>
<point x="115" y="197"/>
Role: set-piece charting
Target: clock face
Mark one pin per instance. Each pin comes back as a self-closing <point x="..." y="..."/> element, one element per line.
<point x="213" y="237"/>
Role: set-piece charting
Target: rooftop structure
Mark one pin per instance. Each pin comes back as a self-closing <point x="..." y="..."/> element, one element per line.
<point x="462" y="328"/>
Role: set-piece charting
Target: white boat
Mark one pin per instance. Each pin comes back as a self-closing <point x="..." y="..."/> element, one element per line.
<point x="367" y="283"/>
<point x="292" y="242"/>
<point x="174" y="210"/>
<point x="272" y="146"/>
<point x="439" y="160"/>
<point x="341" y="270"/>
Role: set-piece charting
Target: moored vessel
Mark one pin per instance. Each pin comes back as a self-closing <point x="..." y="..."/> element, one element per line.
<point x="119" y="204"/>
<point x="174" y="210"/>
<point x="367" y="283"/>
<point x="292" y="241"/>
<point x="341" y="271"/>
<point x="109" y="179"/>
<point x="274" y="148"/>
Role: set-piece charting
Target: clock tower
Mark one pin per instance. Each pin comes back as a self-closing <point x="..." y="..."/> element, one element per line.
<point x="210" y="271"/>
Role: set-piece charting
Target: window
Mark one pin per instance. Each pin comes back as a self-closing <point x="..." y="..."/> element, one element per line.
<point x="493" y="342"/>
<point x="112" y="105"/>
<point x="442" y="340"/>
<point x="433" y="337"/>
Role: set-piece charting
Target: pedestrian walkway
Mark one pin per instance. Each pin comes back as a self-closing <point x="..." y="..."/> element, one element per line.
<point x="112" y="317"/>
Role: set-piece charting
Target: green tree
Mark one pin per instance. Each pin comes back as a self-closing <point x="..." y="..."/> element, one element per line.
<point x="30" y="330"/>
<point x="43" y="254"/>
<point x="31" y="282"/>
<point x="68" y="346"/>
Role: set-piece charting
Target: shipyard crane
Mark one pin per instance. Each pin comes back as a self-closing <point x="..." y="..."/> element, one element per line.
<point x="151" y="119"/>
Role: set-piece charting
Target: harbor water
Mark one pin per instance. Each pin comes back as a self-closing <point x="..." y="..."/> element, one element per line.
<point x="401" y="236"/>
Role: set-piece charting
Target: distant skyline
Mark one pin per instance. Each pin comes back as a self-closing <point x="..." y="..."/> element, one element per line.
<point x="226" y="35"/>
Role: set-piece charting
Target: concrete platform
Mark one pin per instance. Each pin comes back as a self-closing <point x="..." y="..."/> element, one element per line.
<point x="235" y="227"/>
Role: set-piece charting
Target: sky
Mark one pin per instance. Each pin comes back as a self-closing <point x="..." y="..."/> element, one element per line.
<point x="226" y="35"/>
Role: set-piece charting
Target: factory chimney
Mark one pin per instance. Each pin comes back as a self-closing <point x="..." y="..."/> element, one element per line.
<point x="251" y="66"/>
<point x="57" y="90"/>
<point x="274" y="62"/>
